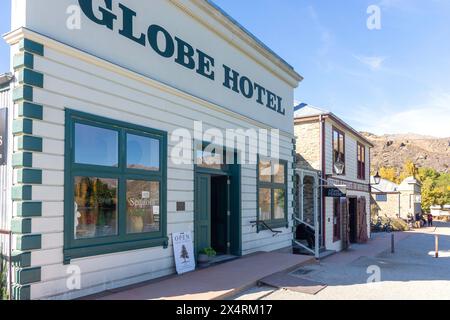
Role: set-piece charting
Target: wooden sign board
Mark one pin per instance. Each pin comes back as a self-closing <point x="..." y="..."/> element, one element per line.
<point x="183" y="249"/>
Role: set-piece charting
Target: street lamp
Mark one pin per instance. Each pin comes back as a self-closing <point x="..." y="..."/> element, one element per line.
<point x="339" y="167"/>
<point x="377" y="178"/>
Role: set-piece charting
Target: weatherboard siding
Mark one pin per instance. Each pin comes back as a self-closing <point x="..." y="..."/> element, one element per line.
<point x="98" y="88"/>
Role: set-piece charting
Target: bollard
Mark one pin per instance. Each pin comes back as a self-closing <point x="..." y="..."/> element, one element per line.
<point x="436" y="242"/>
<point x="392" y="243"/>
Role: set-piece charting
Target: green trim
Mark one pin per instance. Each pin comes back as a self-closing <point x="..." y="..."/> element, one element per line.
<point x="76" y="253"/>
<point x="29" y="209"/>
<point x="23" y="93"/>
<point x="22" y="126"/>
<point x="29" y="143"/>
<point x="28" y="242"/>
<point x="23" y="60"/>
<point x="21" y="259"/>
<point x="30" y="110"/>
<point x="21" y="292"/>
<point x="28" y="275"/>
<point x="21" y="226"/>
<point x="21" y="193"/>
<point x="22" y="159"/>
<point x="31" y="46"/>
<point x="31" y="176"/>
<point x="273" y="223"/>
<point x="31" y="77"/>
<point x="77" y="248"/>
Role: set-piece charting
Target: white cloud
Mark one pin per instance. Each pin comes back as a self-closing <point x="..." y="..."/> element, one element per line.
<point x="375" y="63"/>
<point x="431" y="118"/>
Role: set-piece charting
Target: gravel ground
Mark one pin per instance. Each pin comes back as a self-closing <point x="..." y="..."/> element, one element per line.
<point x="411" y="273"/>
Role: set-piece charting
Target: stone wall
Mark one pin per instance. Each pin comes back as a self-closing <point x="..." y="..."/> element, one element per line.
<point x="308" y="145"/>
<point x="388" y="208"/>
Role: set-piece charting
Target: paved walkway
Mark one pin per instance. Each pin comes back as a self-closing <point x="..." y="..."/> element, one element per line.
<point x="212" y="283"/>
<point x="411" y="273"/>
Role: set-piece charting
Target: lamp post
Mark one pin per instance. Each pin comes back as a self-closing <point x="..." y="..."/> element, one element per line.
<point x="339" y="167"/>
<point x="377" y="178"/>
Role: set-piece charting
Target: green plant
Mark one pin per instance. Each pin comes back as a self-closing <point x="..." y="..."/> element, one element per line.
<point x="210" y="252"/>
<point x="3" y="278"/>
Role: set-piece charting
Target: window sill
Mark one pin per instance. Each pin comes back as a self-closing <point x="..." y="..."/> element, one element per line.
<point x="274" y="225"/>
<point x="84" y="252"/>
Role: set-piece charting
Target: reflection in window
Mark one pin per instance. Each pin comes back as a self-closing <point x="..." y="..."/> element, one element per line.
<point x="272" y="184"/>
<point x="95" y="207"/>
<point x="279" y="174"/>
<point x="143" y="206"/>
<point x="265" y="171"/>
<point x="96" y="146"/>
<point x="279" y="203"/>
<point x="210" y="159"/>
<point x="265" y="201"/>
<point x="142" y="153"/>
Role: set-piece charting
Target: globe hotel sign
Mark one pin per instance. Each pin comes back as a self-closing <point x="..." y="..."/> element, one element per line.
<point x="167" y="46"/>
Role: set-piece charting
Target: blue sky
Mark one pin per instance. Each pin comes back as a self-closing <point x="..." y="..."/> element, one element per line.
<point x="393" y="80"/>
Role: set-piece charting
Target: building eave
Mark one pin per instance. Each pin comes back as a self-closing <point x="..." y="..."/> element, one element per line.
<point x="333" y="117"/>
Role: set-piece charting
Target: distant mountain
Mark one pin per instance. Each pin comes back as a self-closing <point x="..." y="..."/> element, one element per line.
<point x="393" y="150"/>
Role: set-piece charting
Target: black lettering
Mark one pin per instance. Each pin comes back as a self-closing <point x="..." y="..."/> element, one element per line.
<point x="153" y="32"/>
<point x="271" y="97"/>
<point x="127" y="28"/>
<point x="260" y="91"/>
<point x="205" y="65"/>
<point x="107" y="18"/>
<point x="185" y="54"/>
<point x="246" y="87"/>
<point x="280" y="109"/>
<point x="231" y="76"/>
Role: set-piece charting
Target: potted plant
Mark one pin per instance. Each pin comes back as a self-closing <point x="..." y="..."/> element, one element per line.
<point x="137" y="220"/>
<point x="205" y="256"/>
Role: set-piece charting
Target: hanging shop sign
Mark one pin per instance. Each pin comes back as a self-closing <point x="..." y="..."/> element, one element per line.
<point x="3" y="135"/>
<point x="167" y="46"/>
<point x="183" y="250"/>
<point x="334" y="192"/>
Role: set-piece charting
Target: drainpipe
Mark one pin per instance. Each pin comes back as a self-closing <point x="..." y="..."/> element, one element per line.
<point x="322" y="159"/>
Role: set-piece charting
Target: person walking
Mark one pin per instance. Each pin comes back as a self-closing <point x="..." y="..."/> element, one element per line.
<point x="430" y="220"/>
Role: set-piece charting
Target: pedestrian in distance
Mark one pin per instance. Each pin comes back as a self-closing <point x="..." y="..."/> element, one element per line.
<point x="430" y="220"/>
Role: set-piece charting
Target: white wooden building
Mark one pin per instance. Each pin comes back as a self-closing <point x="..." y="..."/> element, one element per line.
<point x="323" y="142"/>
<point x="99" y="184"/>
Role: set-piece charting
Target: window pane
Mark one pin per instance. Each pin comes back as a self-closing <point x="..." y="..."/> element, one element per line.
<point x="95" y="207"/>
<point x="279" y="172"/>
<point x="143" y="207"/>
<point x="265" y="208"/>
<point x="279" y="204"/>
<point x="341" y="144"/>
<point x="210" y="159"/>
<point x="142" y="153"/>
<point x="265" y="171"/>
<point x="96" y="146"/>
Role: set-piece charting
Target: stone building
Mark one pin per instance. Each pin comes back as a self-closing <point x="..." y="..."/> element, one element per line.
<point x="402" y="201"/>
<point x="333" y="163"/>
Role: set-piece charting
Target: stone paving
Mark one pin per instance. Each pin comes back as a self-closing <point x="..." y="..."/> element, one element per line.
<point x="412" y="272"/>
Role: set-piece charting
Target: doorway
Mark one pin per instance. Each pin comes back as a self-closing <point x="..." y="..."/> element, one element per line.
<point x="217" y="213"/>
<point x="353" y="219"/>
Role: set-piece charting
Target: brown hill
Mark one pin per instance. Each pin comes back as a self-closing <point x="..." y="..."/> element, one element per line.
<point x="394" y="150"/>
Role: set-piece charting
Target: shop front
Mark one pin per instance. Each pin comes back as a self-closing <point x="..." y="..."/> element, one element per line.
<point x="134" y="121"/>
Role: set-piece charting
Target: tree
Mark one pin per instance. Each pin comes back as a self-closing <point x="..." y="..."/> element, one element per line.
<point x="388" y="174"/>
<point x="184" y="253"/>
<point x="409" y="169"/>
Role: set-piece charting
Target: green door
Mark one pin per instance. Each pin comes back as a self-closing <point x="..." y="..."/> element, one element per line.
<point x="202" y="223"/>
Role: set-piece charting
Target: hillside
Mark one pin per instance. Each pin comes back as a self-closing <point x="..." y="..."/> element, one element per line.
<point x="424" y="151"/>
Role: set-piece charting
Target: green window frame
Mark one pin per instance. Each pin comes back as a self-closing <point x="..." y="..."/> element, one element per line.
<point x="270" y="185"/>
<point x="123" y="240"/>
